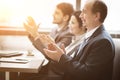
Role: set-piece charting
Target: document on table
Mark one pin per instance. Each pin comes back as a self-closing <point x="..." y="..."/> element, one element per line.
<point x="12" y="60"/>
<point x="9" y="53"/>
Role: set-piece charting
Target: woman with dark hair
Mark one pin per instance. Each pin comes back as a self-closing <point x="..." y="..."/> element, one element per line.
<point x="78" y="30"/>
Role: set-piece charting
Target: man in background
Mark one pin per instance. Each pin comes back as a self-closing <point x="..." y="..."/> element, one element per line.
<point x="60" y="34"/>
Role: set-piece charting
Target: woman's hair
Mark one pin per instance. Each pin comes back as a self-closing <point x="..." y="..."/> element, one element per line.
<point x="77" y="14"/>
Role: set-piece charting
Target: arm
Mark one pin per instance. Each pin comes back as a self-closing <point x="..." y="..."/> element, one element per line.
<point x="37" y="39"/>
<point x="66" y="40"/>
<point x="38" y="45"/>
<point x="31" y="27"/>
<point x="61" y="37"/>
<point x="96" y="60"/>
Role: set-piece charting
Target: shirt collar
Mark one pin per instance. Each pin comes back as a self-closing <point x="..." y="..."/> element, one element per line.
<point x="79" y="37"/>
<point x="89" y="34"/>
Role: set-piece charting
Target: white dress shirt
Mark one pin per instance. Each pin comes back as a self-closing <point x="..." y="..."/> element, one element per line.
<point x="75" y="42"/>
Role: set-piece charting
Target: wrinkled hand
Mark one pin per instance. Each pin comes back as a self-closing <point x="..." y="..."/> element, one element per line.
<point x="31" y="26"/>
<point x="54" y="52"/>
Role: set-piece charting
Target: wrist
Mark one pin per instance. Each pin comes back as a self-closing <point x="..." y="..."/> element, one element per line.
<point x="35" y="35"/>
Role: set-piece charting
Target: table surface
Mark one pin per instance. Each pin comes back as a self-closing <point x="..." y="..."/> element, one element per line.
<point x="32" y="66"/>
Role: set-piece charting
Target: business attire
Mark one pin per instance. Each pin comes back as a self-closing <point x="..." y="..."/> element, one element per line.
<point x="76" y="41"/>
<point x="61" y="36"/>
<point x="70" y="50"/>
<point x="94" y="61"/>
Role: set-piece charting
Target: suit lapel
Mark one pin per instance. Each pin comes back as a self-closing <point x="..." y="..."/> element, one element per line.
<point x="59" y="33"/>
<point x="81" y="53"/>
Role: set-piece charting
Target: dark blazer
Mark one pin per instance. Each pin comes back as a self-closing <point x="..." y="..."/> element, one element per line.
<point x="61" y="37"/>
<point x="94" y="61"/>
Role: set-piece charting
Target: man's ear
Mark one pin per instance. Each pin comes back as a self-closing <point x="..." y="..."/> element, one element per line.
<point x="66" y="18"/>
<point x="97" y="17"/>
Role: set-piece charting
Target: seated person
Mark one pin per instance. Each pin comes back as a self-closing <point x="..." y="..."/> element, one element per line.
<point x="60" y="34"/>
<point x="78" y="30"/>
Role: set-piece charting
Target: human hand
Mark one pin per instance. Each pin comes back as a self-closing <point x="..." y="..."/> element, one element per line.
<point x="54" y="52"/>
<point x="31" y="26"/>
<point x="46" y="39"/>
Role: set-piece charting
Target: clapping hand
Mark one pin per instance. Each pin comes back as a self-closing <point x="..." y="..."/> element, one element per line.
<point x="46" y="39"/>
<point x="31" y="26"/>
<point x="54" y="52"/>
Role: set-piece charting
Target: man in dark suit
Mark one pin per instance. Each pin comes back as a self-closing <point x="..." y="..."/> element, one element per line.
<point x="94" y="58"/>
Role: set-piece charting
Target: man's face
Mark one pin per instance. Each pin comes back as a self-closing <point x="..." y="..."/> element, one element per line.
<point x="58" y="16"/>
<point x="88" y="18"/>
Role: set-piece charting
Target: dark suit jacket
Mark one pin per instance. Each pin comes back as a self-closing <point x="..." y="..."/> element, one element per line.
<point x="61" y="37"/>
<point x="94" y="61"/>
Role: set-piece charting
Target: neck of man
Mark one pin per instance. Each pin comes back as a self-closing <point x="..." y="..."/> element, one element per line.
<point x="89" y="28"/>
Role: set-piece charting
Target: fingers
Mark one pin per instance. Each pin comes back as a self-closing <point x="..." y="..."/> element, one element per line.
<point x="51" y="47"/>
<point x="30" y="19"/>
<point x="54" y="54"/>
<point x="48" y="52"/>
<point x="31" y="26"/>
<point x="57" y="48"/>
<point x="31" y="22"/>
<point x="46" y="39"/>
<point x="50" y="39"/>
<point x="26" y="26"/>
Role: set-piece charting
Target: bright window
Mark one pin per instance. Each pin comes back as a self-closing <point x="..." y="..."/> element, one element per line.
<point x="14" y="12"/>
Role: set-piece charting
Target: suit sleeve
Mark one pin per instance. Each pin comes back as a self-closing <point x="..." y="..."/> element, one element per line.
<point x="95" y="61"/>
<point x="61" y="37"/>
<point x="66" y="40"/>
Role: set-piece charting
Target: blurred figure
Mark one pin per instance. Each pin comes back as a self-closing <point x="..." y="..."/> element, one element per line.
<point x="59" y="35"/>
